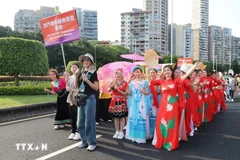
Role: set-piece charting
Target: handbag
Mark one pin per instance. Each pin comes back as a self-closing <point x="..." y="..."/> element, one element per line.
<point x="81" y="99"/>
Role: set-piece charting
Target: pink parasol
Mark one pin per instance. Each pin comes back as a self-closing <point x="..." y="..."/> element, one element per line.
<point x="141" y="63"/>
<point x="133" y="56"/>
<point x="106" y="74"/>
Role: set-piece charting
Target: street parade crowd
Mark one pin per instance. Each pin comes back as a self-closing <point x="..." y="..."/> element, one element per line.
<point x="166" y="105"/>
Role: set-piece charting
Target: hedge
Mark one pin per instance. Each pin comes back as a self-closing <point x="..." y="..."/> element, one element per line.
<point x="23" y="90"/>
<point x="69" y="65"/>
<point x="25" y="78"/>
<point x="20" y="56"/>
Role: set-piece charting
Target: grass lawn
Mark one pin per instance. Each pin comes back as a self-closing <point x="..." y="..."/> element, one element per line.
<point x="14" y="101"/>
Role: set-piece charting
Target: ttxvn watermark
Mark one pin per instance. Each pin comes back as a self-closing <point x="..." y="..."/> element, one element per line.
<point x="31" y="147"/>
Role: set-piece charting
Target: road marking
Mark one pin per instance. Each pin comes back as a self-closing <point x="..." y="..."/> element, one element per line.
<point x="63" y="150"/>
<point x="27" y="119"/>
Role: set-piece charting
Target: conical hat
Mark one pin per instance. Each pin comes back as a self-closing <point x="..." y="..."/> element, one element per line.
<point x="151" y="58"/>
<point x="186" y="67"/>
<point x="201" y="66"/>
<point x="167" y="64"/>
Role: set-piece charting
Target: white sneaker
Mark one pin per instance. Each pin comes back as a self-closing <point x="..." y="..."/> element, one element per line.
<point x="120" y="135"/>
<point x="56" y="127"/>
<point x="68" y="125"/>
<point x="77" y="137"/>
<point x="61" y="126"/>
<point x="232" y="100"/>
<point x="71" y="136"/>
<point x="82" y="145"/>
<point x="91" y="147"/>
<point x="116" y="134"/>
<point x="109" y="121"/>
<point x="191" y="133"/>
<point x="97" y="123"/>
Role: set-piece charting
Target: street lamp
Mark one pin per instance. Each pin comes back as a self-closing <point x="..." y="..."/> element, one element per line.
<point x="95" y="56"/>
<point x="213" y="52"/>
<point x="172" y="34"/>
<point x="216" y="63"/>
<point x="230" y="59"/>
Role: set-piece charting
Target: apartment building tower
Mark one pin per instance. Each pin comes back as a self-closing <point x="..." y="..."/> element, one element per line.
<point x="200" y="21"/>
<point x="28" y="20"/>
<point x="227" y="46"/>
<point x="88" y="23"/>
<point x="158" y="24"/>
<point x="182" y="40"/>
<point x="236" y="48"/>
<point x="220" y="45"/>
<point x="135" y="31"/>
<point x="215" y="43"/>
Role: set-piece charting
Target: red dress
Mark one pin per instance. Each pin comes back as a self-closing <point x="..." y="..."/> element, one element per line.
<point x="118" y="105"/>
<point x="216" y="94"/>
<point x="222" y="90"/>
<point x="188" y="96"/>
<point x="201" y="104"/>
<point x="196" y="107"/>
<point x="167" y="121"/>
<point x="207" y="98"/>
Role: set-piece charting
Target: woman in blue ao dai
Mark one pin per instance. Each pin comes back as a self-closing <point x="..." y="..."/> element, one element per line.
<point x="153" y="108"/>
<point x="138" y="129"/>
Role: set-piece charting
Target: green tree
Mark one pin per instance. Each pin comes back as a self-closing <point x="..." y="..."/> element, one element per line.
<point x="5" y="31"/>
<point x="105" y="54"/>
<point x="235" y="66"/>
<point x="69" y="65"/>
<point x="167" y="59"/>
<point x="21" y="56"/>
<point x="209" y="65"/>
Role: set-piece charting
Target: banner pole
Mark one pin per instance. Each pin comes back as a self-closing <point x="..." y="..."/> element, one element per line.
<point x="63" y="56"/>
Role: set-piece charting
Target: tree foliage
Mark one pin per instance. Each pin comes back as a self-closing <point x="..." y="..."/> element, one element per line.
<point x="21" y="56"/>
<point x="69" y="65"/>
<point x="235" y="66"/>
<point x="104" y="54"/>
<point x="167" y="59"/>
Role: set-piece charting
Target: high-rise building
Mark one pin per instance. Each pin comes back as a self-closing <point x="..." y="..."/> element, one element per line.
<point x="135" y="31"/>
<point x="29" y="20"/>
<point x="227" y="46"/>
<point x="236" y="48"/>
<point x="158" y="24"/>
<point x="215" y="43"/>
<point x="220" y="45"/>
<point x="88" y="23"/>
<point x="182" y="40"/>
<point x="200" y="10"/>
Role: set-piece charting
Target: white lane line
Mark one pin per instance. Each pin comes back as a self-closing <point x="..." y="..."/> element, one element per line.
<point x="63" y="150"/>
<point x="27" y="119"/>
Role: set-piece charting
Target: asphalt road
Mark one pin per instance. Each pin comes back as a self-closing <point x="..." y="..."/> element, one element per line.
<point x="218" y="140"/>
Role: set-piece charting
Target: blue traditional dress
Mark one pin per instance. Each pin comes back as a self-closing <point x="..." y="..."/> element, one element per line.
<point x="153" y="111"/>
<point x="138" y="128"/>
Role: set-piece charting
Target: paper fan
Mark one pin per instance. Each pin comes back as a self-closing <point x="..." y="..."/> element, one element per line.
<point x="151" y="58"/>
